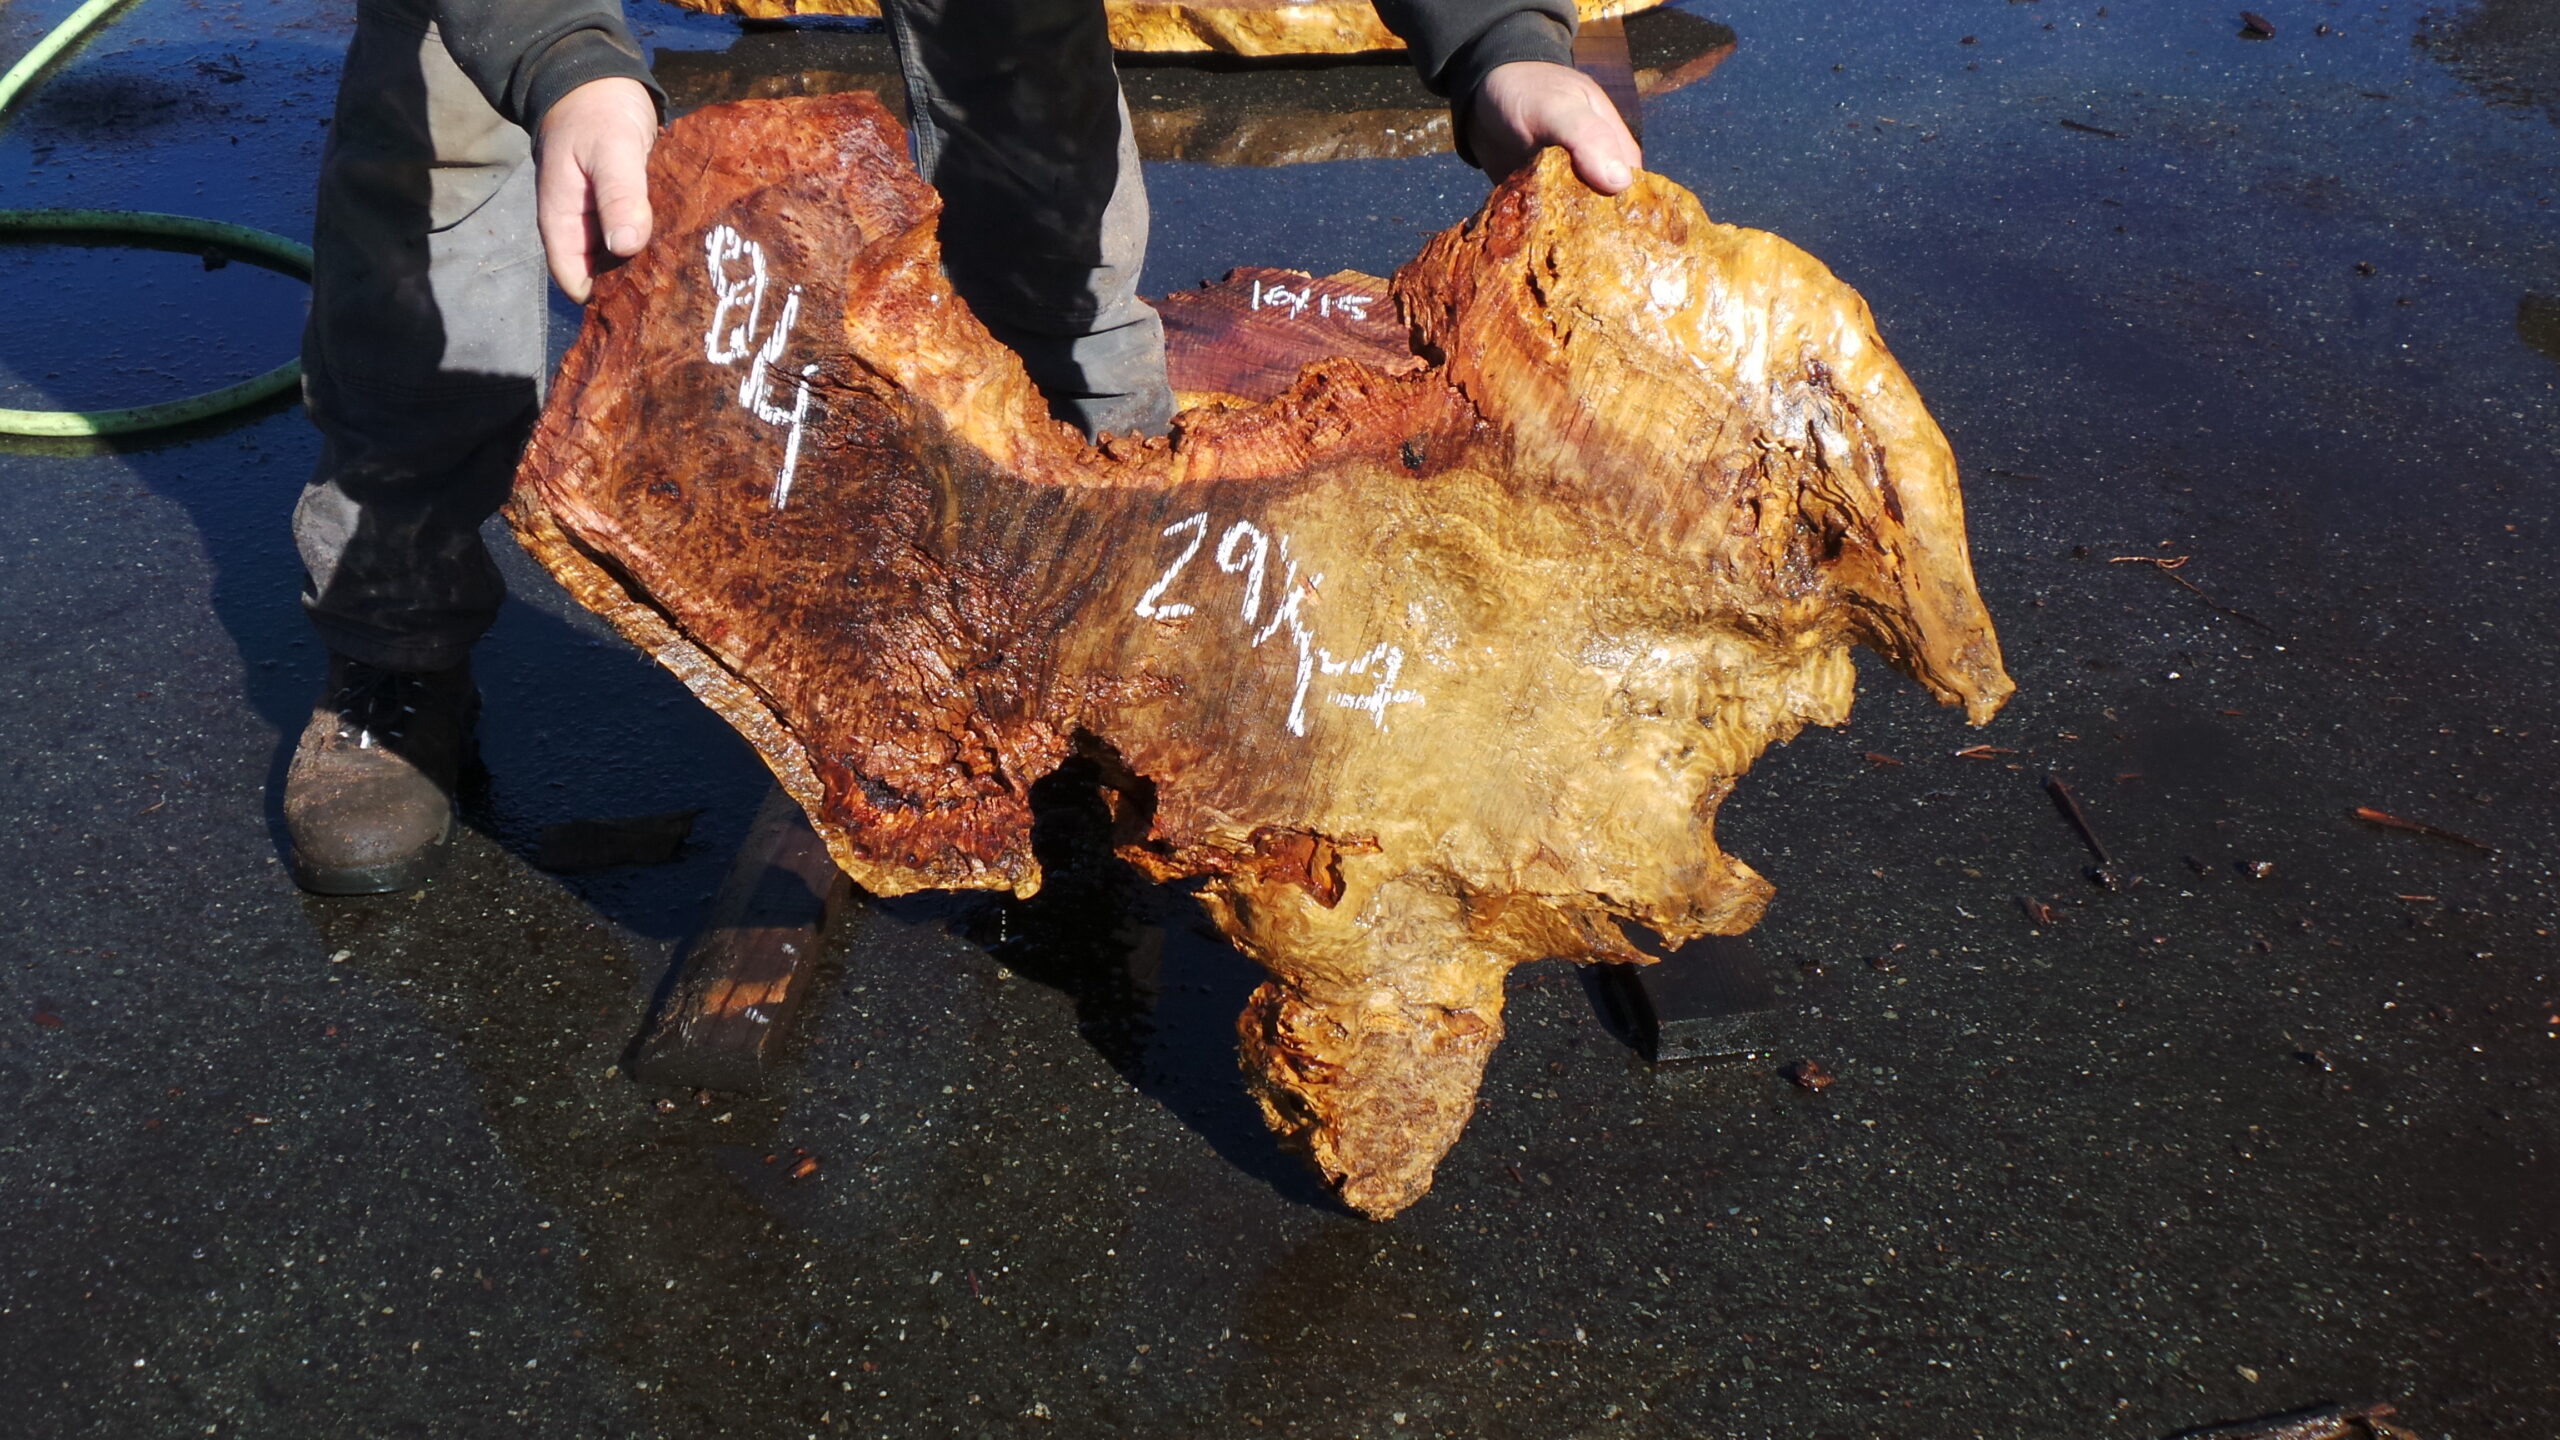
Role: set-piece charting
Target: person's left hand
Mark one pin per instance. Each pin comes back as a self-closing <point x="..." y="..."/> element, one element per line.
<point x="591" y="180"/>
<point x="1527" y="105"/>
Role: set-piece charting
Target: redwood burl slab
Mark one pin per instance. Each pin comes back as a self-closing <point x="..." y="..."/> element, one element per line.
<point x="1234" y="27"/>
<point x="1431" y="667"/>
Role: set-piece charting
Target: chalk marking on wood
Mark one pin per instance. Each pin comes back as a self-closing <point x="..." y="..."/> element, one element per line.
<point x="1292" y="594"/>
<point x="1148" y="609"/>
<point x="725" y="344"/>
<point x="1306" y="672"/>
<point x="724" y="243"/>
<point x="1231" y="562"/>
<point x="1245" y="548"/>
<point x="1390" y="662"/>
<point x="1281" y="297"/>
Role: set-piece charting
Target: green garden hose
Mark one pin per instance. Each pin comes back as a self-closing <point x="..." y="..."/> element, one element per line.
<point x="256" y="246"/>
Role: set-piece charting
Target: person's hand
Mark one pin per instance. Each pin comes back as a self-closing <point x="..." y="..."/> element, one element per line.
<point x="591" y="180"/>
<point x="1528" y="105"/>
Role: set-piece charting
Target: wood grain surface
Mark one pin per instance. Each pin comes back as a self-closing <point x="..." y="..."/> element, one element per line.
<point x="1421" y="671"/>
<point x="1233" y="27"/>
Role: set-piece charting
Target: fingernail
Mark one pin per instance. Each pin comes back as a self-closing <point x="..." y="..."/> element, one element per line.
<point x="1616" y="175"/>
<point x="622" y="240"/>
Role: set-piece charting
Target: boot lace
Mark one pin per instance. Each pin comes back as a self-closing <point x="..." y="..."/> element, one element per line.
<point x="376" y="707"/>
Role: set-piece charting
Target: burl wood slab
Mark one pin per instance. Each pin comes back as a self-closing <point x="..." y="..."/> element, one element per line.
<point x="1232" y="27"/>
<point x="1180" y="109"/>
<point x="1430" y="666"/>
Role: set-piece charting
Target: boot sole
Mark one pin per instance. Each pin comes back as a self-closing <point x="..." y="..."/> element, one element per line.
<point x="409" y="872"/>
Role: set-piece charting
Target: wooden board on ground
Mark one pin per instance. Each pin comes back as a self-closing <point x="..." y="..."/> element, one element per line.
<point x="1708" y="999"/>
<point x="747" y="972"/>
<point x="1231" y="27"/>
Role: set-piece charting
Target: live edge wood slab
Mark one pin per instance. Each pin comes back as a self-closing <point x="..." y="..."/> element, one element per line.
<point x="1232" y="27"/>
<point x="1424" y="668"/>
<point x="1214" y="113"/>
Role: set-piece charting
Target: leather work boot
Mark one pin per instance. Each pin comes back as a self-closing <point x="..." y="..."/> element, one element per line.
<point x="368" y="802"/>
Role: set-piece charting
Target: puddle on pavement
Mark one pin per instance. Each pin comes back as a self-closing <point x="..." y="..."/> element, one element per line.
<point x="2509" y="49"/>
<point x="98" y="326"/>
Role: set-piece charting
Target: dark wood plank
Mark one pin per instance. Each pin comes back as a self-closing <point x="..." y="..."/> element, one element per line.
<point x="1711" y="997"/>
<point x="1673" y="49"/>
<point x="746" y="973"/>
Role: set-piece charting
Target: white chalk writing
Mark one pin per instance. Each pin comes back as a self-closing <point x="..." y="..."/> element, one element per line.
<point x="1281" y="297"/>
<point x="1247" y="549"/>
<point x="1148" y="608"/>
<point x="1389" y="659"/>
<point x="751" y="340"/>
<point x="1231" y="559"/>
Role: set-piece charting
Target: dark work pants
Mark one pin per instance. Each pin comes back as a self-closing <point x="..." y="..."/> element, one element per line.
<point x="425" y="353"/>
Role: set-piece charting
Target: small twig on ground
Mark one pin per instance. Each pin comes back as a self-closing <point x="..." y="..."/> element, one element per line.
<point x="2105" y="871"/>
<point x="2389" y="821"/>
<point x="2169" y="565"/>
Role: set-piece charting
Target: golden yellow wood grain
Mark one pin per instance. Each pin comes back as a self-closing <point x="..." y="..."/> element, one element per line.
<point x="1270" y="27"/>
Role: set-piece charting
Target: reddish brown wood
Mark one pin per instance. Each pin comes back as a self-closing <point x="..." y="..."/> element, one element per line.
<point x="747" y="972"/>
<point x="1423" y="671"/>
<point x="1673" y="49"/>
<point x="1250" y="334"/>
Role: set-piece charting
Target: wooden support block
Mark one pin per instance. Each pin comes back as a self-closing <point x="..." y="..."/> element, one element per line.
<point x="1673" y="49"/>
<point x="1708" y="998"/>
<point x="747" y="971"/>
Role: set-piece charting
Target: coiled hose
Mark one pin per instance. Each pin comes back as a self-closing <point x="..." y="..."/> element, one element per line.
<point x="258" y="247"/>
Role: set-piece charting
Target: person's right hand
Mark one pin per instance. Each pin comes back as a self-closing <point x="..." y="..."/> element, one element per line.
<point x="1527" y="105"/>
<point x="591" y="180"/>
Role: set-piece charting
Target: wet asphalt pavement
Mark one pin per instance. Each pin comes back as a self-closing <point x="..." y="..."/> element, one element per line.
<point x="2095" y="1163"/>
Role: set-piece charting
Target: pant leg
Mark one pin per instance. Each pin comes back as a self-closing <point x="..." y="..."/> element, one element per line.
<point x="1020" y="124"/>
<point x="424" y="352"/>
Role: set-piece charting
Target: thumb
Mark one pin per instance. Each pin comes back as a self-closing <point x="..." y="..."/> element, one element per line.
<point x="1604" y="154"/>
<point x="622" y="202"/>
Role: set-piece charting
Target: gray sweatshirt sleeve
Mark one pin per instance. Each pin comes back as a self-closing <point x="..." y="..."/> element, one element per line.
<point x="1456" y="43"/>
<point x="525" y="54"/>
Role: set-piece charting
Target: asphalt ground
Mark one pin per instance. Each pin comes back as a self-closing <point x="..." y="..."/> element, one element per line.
<point x="2094" y="1162"/>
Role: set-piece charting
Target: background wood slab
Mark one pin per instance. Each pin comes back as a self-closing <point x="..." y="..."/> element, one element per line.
<point x="1233" y="27"/>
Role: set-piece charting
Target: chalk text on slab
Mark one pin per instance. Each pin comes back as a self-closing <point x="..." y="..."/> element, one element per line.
<point x="1246" y="549"/>
<point x="738" y="332"/>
